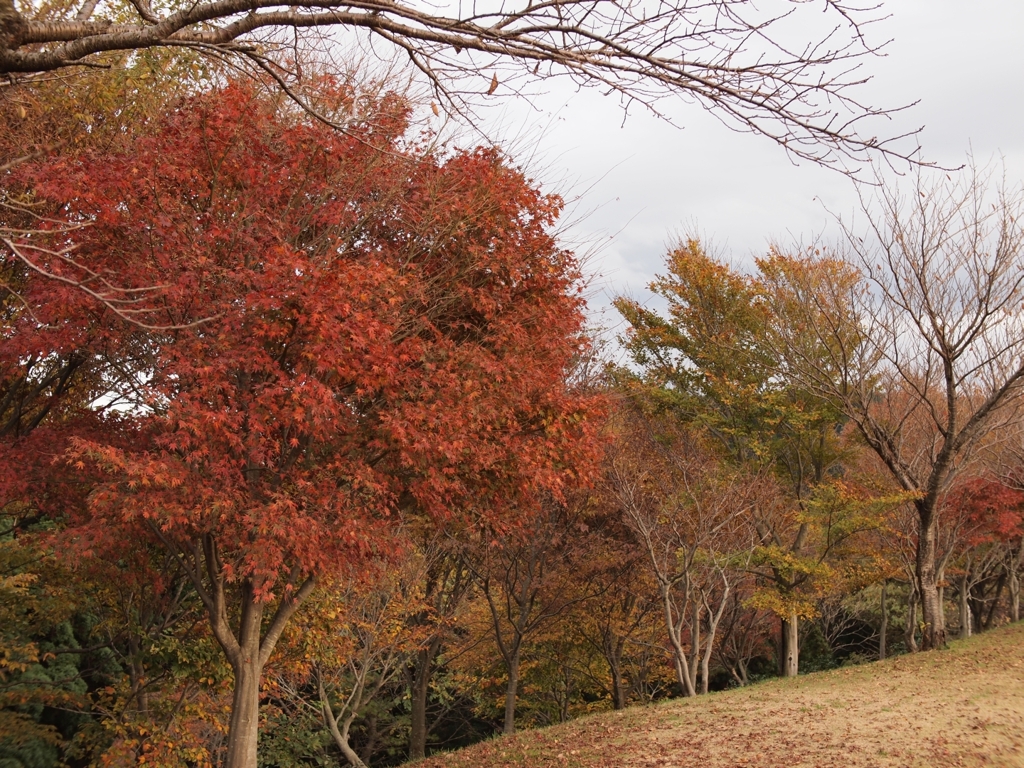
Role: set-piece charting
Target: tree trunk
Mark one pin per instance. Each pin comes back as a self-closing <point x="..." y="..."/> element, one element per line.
<point x="613" y="655"/>
<point x="780" y="649"/>
<point x="243" y="731"/>
<point x="695" y="645"/>
<point x="910" y="631"/>
<point x="1014" y="594"/>
<point x="246" y="651"/>
<point x="705" y="665"/>
<point x="679" y="657"/>
<point x="418" y="724"/>
<point x="245" y="658"/>
<point x="510" y="694"/>
<point x="965" y="609"/>
<point x="789" y="662"/>
<point x="372" y="738"/>
<point x="884" y="628"/>
<point x="340" y="734"/>
<point x="934" y="632"/>
<point x="683" y="676"/>
<point x="739" y="673"/>
<point x="991" y="613"/>
<point x="418" y="689"/>
<point x="714" y="619"/>
<point x="137" y="675"/>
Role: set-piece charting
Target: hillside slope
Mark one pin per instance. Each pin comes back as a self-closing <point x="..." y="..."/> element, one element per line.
<point x="960" y="707"/>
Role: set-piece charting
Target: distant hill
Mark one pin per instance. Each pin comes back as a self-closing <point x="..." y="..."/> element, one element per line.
<point x="960" y="707"/>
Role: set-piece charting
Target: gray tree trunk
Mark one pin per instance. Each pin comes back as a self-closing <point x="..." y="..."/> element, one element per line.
<point x="934" y="632"/>
<point x="340" y="734"/>
<point x="694" y="666"/>
<point x="965" y="609"/>
<point x="790" y="661"/>
<point x="884" y="628"/>
<point x="910" y="631"/>
<point x="243" y="730"/>
<point x="510" y="694"/>
<point x="1014" y="596"/>
<point x="1013" y="563"/>
<point x="246" y="650"/>
<point x="739" y="673"/>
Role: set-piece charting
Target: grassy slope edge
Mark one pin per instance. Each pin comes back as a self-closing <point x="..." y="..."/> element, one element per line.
<point x="960" y="707"/>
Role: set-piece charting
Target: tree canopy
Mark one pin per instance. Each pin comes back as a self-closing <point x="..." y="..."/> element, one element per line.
<point x="350" y="329"/>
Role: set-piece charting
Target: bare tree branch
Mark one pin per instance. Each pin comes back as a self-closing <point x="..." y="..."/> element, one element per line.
<point x="740" y="60"/>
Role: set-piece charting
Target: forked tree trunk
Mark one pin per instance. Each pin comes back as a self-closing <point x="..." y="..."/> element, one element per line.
<point x="247" y="665"/>
<point x="340" y="731"/>
<point x="789" y="662"/>
<point x="679" y="656"/>
<point x="686" y="682"/>
<point x="714" y="619"/>
<point x="246" y="650"/>
<point x="739" y="672"/>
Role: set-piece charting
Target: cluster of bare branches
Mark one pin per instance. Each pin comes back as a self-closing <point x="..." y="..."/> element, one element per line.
<point x="687" y="516"/>
<point x="782" y="69"/>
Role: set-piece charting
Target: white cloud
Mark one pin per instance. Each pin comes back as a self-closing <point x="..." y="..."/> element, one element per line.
<point x="647" y="181"/>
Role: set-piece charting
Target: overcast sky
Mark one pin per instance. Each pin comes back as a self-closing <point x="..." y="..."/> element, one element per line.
<point x="646" y="181"/>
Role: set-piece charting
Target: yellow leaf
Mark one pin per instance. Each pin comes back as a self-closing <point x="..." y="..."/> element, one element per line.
<point x="494" y="85"/>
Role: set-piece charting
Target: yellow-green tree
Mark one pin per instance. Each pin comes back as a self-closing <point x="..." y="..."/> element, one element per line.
<point x="712" y="361"/>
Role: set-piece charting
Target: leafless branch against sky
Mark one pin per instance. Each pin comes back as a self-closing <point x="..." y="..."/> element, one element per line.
<point x="785" y="69"/>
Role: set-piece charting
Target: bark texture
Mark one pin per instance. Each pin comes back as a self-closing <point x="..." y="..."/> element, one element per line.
<point x="964" y="606"/>
<point x="933" y="631"/>
<point x="910" y="630"/>
<point x="883" y="630"/>
<point x="511" y="691"/>
<point x="418" y="689"/>
<point x="790" y="647"/>
<point x="243" y="731"/>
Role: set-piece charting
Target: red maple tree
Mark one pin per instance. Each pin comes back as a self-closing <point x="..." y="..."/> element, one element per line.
<point x="343" y="328"/>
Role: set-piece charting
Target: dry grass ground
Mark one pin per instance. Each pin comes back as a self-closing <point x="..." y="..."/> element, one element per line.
<point x="960" y="707"/>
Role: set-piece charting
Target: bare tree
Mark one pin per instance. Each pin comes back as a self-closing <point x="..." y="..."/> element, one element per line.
<point x="743" y="61"/>
<point x="921" y="344"/>
<point x="687" y="512"/>
<point x="744" y="636"/>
